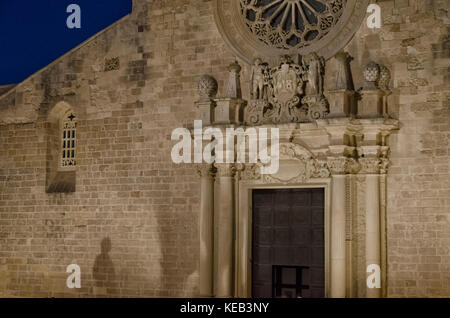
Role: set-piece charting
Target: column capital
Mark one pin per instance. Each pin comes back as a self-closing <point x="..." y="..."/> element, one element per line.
<point x="225" y="170"/>
<point x="370" y="165"/>
<point x="341" y="165"/>
<point x="206" y="170"/>
<point x="248" y="171"/>
<point x="374" y="159"/>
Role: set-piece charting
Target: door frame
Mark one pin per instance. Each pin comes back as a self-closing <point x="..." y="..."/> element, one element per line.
<point x="244" y="226"/>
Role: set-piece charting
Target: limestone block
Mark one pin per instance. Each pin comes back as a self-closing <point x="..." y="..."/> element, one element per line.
<point x="371" y="104"/>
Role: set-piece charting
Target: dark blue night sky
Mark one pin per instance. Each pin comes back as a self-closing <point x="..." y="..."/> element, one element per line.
<point x="33" y="33"/>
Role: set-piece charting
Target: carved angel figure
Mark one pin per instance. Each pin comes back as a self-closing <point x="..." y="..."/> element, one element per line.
<point x="257" y="80"/>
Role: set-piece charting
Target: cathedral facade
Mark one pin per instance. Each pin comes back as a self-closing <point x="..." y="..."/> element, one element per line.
<point x="359" y="202"/>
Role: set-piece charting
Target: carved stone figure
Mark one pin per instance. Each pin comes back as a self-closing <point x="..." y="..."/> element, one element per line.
<point x="257" y="79"/>
<point x="344" y="79"/>
<point x="316" y="71"/>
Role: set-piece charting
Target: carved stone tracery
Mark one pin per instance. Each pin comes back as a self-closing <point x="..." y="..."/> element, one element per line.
<point x="269" y="28"/>
<point x="290" y="24"/>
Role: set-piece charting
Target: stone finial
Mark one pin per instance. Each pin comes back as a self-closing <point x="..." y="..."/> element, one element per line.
<point x="371" y="75"/>
<point x="384" y="79"/>
<point x="344" y="79"/>
<point x="373" y="101"/>
<point x="234" y="82"/>
<point x="207" y="88"/>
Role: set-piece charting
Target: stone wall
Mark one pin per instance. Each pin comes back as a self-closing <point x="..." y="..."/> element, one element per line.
<point x="143" y="209"/>
<point x="127" y="188"/>
<point x="414" y="44"/>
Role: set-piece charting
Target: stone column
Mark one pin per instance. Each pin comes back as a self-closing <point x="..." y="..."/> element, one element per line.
<point x="338" y="270"/>
<point x="371" y="168"/>
<point x="224" y="230"/>
<point x="206" y="230"/>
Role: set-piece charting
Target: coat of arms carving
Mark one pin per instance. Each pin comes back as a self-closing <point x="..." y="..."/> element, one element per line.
<point x="289" y="92"/>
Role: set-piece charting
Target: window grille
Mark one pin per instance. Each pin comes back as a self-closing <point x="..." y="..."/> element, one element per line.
<point x="68" y="146"/>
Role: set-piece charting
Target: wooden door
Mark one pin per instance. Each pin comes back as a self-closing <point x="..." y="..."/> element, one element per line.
<point x="288" y="243"/>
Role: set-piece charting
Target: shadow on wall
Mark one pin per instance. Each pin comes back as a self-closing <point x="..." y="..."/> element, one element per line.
<point x="178" y="243"/>
<point x="103" y="270"/>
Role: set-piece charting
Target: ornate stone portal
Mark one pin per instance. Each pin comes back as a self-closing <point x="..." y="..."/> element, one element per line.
<point x="338" y="143"/>
<point x="343" y="150"/>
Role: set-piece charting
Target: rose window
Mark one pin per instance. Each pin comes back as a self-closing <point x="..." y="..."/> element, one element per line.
<point x="288" y="24"/>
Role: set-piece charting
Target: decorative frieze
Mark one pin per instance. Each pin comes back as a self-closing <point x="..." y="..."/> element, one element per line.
<point x="343" y="165"/>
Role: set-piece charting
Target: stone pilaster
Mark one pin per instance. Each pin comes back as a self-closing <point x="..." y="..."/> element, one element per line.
<point x="338" y="168"/>
<point x="370" y="166"/>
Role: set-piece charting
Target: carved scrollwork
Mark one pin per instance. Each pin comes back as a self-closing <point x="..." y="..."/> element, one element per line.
<point x="318" y="107"/>
<point x="297" y="165"/>
<point x="254" y="112"/>
<point x="320" y="169"/>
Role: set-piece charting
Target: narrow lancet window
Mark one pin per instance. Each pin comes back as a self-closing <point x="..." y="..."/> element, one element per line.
<point x="68" y="145"/>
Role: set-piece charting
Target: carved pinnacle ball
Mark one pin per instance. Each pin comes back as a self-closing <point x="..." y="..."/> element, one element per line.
<point x="207" y="87"/>
<point x="385" y="78"/>
<point x="372" y="72"/>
